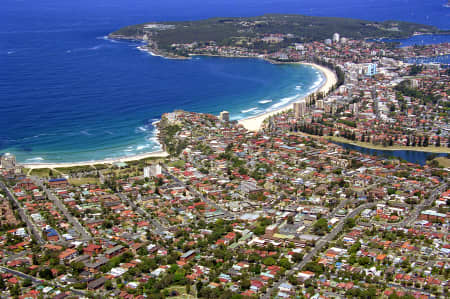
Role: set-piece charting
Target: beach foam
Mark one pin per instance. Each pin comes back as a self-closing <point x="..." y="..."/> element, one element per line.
<point x="86" y="133"/>
<point x="283" y="102"/>
<point x="249" y="110"/>
<point x="265" y="101"/>
<point x="36" y="159"/>
<point x="141" y="147"/>
<point x="141" y="129"/>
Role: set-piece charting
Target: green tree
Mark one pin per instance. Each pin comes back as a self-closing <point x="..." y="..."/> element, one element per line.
<point x="284" y="262"/>
<point x="320" y="227"/>
<point x="46" y="274"/>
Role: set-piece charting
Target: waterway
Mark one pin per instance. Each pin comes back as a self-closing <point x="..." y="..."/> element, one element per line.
<point x="407" y="155"/>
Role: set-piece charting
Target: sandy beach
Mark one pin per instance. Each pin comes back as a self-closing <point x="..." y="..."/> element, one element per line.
<point x="158" y="154"/>
<point x="254" y="123"/>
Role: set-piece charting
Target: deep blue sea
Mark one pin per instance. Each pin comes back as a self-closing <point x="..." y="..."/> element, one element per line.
<point x="69" y="94"/>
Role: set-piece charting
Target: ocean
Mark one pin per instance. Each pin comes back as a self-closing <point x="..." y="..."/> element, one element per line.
<point x="69" y="94"/>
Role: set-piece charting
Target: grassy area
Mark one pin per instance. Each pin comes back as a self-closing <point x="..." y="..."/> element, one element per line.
<point x="443" y="161"/>
<point x="75" y="169"/>
<point x="41" y="172"/>
<point x="82" y="181"/>
<point x="431" y="149"/>
<point x="177" y="164"/>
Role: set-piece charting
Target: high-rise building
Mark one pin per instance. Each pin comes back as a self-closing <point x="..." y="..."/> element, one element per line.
<point x="7" y="161"/>
<point x="336" y="37"/>
<point x="370" y="69"/>
<point x="152" y="170"/>
<point x="300" y="108"/>
<point x="320" y="104"/>
<point x="224" y="116"/>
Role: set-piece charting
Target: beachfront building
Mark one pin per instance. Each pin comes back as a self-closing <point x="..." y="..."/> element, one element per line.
<point x="300" y="109"/>
<point x="7" y="161"/>
<point x="152" y="170"/>
<point x="224" y="116"/>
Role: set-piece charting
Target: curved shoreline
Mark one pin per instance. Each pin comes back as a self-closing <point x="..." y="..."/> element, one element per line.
<point x="157" y="154"/>
<point x="254" y="123"/>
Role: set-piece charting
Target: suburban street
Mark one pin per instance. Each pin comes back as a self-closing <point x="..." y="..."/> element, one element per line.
<point x="39" y="281"/>
<point x="196" y="193"/>
<point x="72" y="220"/>
<point x="30" y="225"/>
<point x="318" y="247"/>
<point x="159" y="228"/>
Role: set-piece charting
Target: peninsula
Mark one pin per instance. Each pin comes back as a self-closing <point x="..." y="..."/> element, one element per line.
<point x="255" y="35"/>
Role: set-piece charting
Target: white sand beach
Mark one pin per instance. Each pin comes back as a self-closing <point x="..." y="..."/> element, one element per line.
<point x="254" y="123"/>
<point x="158" y="154"/>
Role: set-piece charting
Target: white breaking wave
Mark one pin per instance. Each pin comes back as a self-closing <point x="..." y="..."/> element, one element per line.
<point x="86" y="133"/>
<point x="283" y="102"/>
<point x="257" y="111"/>
<point x="265" y="101"/>
<point x="298" y="87"/>
<point x="316" y="83"/>
<point x="141" y="147"/>
<point x="140" y="48"/>
<point x="141" y="129"/>
<point x="35" y="159"/>
<point x="95" y="47"/>
<point x="249" y="110"/>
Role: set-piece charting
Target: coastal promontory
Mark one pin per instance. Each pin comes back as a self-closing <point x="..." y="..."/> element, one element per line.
<point x="262" y="34"/>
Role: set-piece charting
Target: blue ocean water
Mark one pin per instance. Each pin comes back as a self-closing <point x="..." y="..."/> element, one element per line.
<point x="68" y="94"/>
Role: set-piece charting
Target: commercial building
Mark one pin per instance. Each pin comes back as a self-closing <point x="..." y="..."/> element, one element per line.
<point x="336" y="38"/>
<point x="7" y="161"/>
<point x="224" y="116"/>
<point x="300" y="108"/>
<point x="370" y="69"/>
<point x="152" y="170"/>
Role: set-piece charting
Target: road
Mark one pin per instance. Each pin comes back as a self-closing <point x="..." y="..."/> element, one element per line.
<point x="159" y="228"/>
<point x="72" y="220"/>
<point x="435" y="194"/>
<point x="16" y="256"/>
<point x="39" y="281"/>
<point x="31" y="226"/>
<point x="318" y="247"/>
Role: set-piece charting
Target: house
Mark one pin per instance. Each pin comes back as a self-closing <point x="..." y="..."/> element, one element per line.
<point x="286" y="288"/>
<point x="115" y="251"/>
<point x="187" y="256"/>
<point x="92" y="249"/>
<point x="433" y="216"/>
<point x="96" y="284"/>
<point x="68" y="254"/>
<point x="94" y="266"/>
<point x="58" y="183"/>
